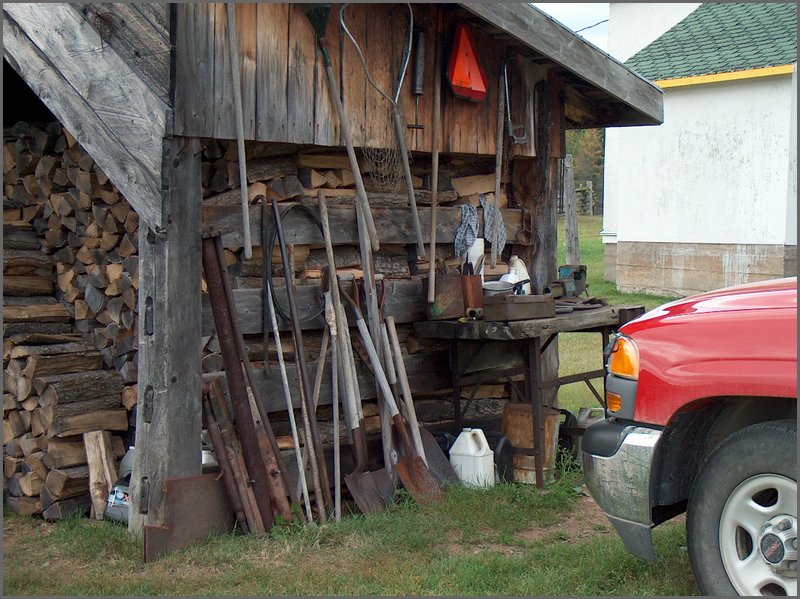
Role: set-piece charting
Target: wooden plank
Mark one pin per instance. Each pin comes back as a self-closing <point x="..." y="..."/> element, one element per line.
<point x="139" y="184"/>
<point x="404" y="301"/>
<point x="427" y="373"/>
<point x="393" y="225"/>
<point x="326" y="121"/>
<point x="194" y="57"/>
<point x="246" y="36"/>
<point x="540" y="32"/>
<point x="168" y="405"/>
<point x="300" y="78"/>
<point x="123" y="101"/>
<point x="584" y="320"/>
<point x="139" y="39"/>
<point x="271" y="68"/>
<point x="352" y="80"/>
<point x="384" y="22"/>
<point x="222" y="98"/>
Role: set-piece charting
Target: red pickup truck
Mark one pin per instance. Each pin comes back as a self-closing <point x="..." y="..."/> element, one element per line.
<point x="702" y="418"/>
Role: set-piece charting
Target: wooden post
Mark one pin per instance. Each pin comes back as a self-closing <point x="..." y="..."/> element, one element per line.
<point x="168" y="419"/>
<point x="573" y="253"/>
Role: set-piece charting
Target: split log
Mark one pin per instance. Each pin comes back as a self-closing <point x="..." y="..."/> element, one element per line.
<point x="112" y="420"/>
<point x="25" y="506"/>
<point x="102" y="469"/>
<point x="59" y="510"/>
<point x="70" y="451"/>
<point x="67" y="482"/>
<point x="80" y="386"/>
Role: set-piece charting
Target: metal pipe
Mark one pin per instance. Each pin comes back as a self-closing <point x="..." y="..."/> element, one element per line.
<point x="297" y="336"/>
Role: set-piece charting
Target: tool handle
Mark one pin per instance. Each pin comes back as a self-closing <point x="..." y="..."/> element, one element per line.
<point x="412" y="200"/>
<point x="437" y="111"/>
<point x="233" y="50"/>
<point x="361" y="193"/>
<point x="402" y="377"/>
<point x="380" y="376"/>
<point x="498" y="167"/>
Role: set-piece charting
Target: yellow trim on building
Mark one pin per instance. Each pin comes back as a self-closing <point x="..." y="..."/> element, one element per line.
<point x="786" y="69"/>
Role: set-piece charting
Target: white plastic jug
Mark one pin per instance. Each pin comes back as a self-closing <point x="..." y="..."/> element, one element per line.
<point x="473" y="459"/>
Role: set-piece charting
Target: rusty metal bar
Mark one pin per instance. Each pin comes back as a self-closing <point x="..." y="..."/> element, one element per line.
<point x="278" y="472"/>
<point x="245" y="427"/>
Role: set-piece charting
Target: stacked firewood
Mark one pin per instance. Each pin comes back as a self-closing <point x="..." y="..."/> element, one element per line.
<point x="70" y="269"/>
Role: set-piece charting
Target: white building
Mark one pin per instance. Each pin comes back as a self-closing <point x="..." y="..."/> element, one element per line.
<point x="709" y="198"/>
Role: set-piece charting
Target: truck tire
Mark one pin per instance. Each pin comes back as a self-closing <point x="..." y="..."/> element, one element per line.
<point x="742" y="514"/>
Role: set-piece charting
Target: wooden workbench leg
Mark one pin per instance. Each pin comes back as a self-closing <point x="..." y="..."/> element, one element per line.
<point x="168" y="420"/>
<point x="456" y="371"/>
<point x="533" y="378"/>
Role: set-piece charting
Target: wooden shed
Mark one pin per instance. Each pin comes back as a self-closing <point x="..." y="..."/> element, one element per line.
<point x="147" y="91"/>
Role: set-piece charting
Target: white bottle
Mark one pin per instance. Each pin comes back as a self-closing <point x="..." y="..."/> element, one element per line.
<point x="473" y="459"/>
<point x="517" y="266"/>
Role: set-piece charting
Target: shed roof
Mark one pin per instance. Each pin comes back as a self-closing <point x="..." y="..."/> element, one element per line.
<point x="626" y="96"/>
<point x="722" y="38"/>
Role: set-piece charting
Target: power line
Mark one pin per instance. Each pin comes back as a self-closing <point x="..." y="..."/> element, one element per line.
<point x="590" y="26"/>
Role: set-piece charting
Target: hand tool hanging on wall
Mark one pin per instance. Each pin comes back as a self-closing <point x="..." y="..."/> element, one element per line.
<point x="498" y="161"/>
<point x="268" y="445"/>
<point x="317" y="15"/>
<point x="512" y="129"/>
<point x="269" y="315"/>
<point x="418" y="82"/>
<point x="305" y="388"/>
<point x="413" y="472"/>
<point x="396" y="116"/>
<point x="236" y="85"/>
<point x="437" y="112"/>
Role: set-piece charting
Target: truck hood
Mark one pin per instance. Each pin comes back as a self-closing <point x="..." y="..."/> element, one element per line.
<point x="762" y="295"/>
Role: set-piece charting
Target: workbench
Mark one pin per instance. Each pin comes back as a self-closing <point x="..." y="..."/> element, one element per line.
<point x="481" y="351"/>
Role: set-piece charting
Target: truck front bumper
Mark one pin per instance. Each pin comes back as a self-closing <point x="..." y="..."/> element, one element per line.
<point x="617" y="462"/>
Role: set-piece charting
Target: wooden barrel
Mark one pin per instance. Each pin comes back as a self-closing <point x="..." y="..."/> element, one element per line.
<point x="517" y="426"/>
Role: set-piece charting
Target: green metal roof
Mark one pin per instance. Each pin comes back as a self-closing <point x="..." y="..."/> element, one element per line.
<point x="722" y="38"/>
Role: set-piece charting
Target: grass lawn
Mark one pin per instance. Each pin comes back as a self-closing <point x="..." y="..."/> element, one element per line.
<point x="508" y="540"/>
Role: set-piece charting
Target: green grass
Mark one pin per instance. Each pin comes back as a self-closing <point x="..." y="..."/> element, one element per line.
<point x="580" y="352"/>
<point x="509" y="540"/>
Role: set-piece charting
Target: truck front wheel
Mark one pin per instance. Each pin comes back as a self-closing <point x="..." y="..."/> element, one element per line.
<point x="742" y="514"/>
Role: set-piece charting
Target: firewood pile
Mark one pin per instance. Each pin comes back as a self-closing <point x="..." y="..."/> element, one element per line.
<point x="70" y="270"/>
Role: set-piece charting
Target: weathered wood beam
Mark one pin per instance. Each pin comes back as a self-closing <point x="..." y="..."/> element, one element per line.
<point x="427" y="373"/>
<point x="393" y="225"/>
<point x="540" y="32"/>
<point x="111" y="112"/>
<point x="404" y="301"/>
<point x="168" y="421"/>
<point x="141" y="40"/>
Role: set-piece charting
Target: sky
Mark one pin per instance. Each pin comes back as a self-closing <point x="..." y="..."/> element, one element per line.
<point x="579" y="15"/>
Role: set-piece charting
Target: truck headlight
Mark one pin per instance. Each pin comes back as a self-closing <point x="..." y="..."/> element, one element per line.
<point x="623" y="360"/>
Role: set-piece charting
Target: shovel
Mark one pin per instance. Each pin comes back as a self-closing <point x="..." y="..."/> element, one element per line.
<point x="415" y="475"/>
<point x="425" y="443"/>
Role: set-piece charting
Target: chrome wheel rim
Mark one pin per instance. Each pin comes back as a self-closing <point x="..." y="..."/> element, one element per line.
<point x="750" y="512"/>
